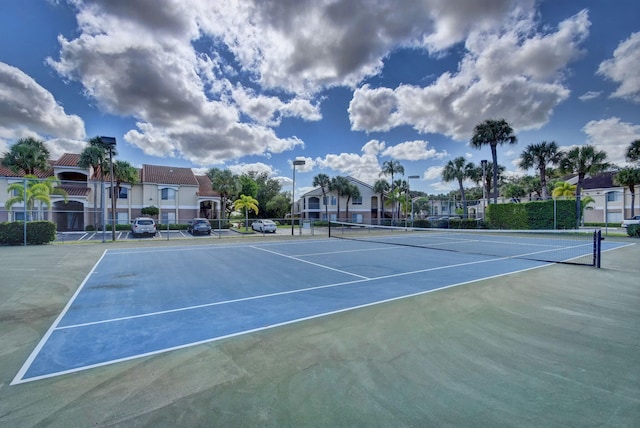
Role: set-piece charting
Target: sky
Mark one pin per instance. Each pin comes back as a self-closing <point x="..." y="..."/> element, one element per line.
<point x="343" y="84"/>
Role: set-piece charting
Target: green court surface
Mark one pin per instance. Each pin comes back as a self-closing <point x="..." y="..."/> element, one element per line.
<point x="553" y="346"/>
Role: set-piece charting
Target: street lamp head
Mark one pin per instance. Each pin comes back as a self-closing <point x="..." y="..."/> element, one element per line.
<point x="413" y="176"/>
<point x="108" y="141"/>
<point x="297" y="162"/>
<point x="483" y="162"/>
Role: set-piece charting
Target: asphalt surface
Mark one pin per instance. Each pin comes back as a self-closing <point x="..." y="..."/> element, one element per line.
<point x="555" y="346"/>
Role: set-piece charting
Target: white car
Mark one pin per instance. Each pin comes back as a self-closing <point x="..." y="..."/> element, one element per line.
<point x="143" y="226"/>
<point x="633" y="220"/>
<point x="264" y="226"/>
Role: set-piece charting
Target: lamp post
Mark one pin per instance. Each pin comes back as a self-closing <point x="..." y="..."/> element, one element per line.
<point x="110" y="142"/>
<point x="409" y="185"/>
<point x="483" y="162"/>
<point x="296" y="162"/>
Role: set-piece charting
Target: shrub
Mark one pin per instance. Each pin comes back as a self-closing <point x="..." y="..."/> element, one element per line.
<point x="38" y="232"/>
<point x="633" y="230"/>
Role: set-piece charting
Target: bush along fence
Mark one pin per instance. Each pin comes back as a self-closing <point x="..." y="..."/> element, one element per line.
<point x="37" y="233"/>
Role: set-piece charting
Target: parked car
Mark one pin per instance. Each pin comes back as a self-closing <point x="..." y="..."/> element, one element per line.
<point x="199" y="226"/>
<point x="264" y="226"/>
<point x="143" y="226"/>
<point x="633" y="220"/>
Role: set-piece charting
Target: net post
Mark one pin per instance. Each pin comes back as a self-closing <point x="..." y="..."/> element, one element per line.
<point x="597" y="248"/>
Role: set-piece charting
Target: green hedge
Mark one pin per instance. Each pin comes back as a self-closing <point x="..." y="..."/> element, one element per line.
<point x="38" y="232"/>
<point x="633" y="230"/>
<point x="536" y="215"/>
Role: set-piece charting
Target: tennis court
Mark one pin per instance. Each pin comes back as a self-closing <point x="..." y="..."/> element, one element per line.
<point x="145" y="301"/>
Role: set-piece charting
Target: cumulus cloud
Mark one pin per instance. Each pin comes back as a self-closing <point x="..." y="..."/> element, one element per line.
<point x="623" y="69"/>
<point x="512" y="72"/>
<point x="259" y="167"/>
<point x="28" y="109"/>
<point x="414" y="150"/>
<point x="613" y="136"/>
<point x="589" y="95"/>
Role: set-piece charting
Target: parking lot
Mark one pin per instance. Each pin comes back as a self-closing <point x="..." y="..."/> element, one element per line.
<point x="126" y="235"/>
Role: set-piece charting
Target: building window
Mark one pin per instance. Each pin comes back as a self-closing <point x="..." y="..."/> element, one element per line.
<point x="334" y="201"/>
<point x="325" y="199"/>
<point x="356" y="218"/>
<point x="122" y="217"/>
<point x="123" y="193"/>
<point x="168" y="194"/>
<point x="614" y="196"/>
<point x="168" y="217"/>
<point x="357" y="201"/>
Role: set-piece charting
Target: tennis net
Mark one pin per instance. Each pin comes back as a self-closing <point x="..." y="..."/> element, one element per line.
<point x="557" y="246"/>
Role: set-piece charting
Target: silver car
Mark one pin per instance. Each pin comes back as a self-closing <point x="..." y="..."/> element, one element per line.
<point x="264" y="226"/>
<point x="143" y="226"/>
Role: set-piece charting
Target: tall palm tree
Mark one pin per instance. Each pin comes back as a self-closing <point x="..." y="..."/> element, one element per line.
<point x="491" y="133"/>
<point x="539" y="156"/>
<point x="633" y="152"/>
<point x="95" y="156"/>
<point x="246" y="203"/>
<point x="339" y="185"/>
<point x="323" y="182"/>
<point x="226" y="184"/>
<point x="351" y="191"/>
<point x="629" y="177"/>
<point x="392" y="167"/>
<point x="402" y="190"/>
<point x="582" y="161"/>
<point x="37" y="191"/>
<point x="27" y="155"/>
<point x="459" y="170"/>
<point x="381" y="187"/>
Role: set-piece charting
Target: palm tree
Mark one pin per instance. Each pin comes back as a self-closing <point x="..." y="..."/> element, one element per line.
<point x="124" y="172"/>
<point x="95" y="156"/>
<point x="351" y="191"/>
<point x="459" y="170"/>
<point x="493" y="132"/>
<point x="226" y="184"/>
<point x="392" y="167"/>
<point x="246" y="203"/>
<point x="381" y="187"/>
<point x="37" y="190"/>
<point x="27" y="155"/>
<point x="323" y="181"/>
<point x="538" y="156"/>
<point x="564" y="189"/>
<point x="339" y="185"/>
<point x="629" y="177"/>
<point x="582" y="161"/>
<point x="633" y="152"/>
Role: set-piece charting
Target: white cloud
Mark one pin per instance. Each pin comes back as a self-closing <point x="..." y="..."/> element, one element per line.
<point x="413" y="150"/>
<point x="28" y="109"/>
<point x="512" y="73"/>
<point x="259" y="167"/>
<point x="623" y="69"/>
<point x="590" y="95"/>
<point x="59" y="146"/>
<point x="361" y="167"/>
<point x="612" y="136"/>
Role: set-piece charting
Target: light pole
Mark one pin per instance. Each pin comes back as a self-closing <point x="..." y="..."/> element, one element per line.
<point x="110" y="142"/>
<point x="409" y="185"/>
<point x="483" y="162"/>
<point x="296" y="162"/>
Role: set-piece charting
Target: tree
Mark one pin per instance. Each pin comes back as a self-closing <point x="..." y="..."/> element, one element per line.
<point x="459" y="170"/>
<point x="564" y="189"/>
<point x="27" y="155"/>
<point x="351" y="192"/>
<point x="339" y="185"/>
<point x="246" y="203"/>
<point x="279" y="205"/>
<point x="268" y="190"/>
<point x="226" y="184"/>
<point x="629" y="177"/>
<point x="381" y="187"/>
<point x="582" y="161"/>
<point x="633" y="152"/>
<point x="124" y="172"/>
<point x="539" y="156"/>
<point x="392" y="167"/>
<point x="37" y="191"/>
<point x="95" y="156"/>
<point x="248" y="185"/>
<point x="491" y="133"/>
<point x="323" y="182"/>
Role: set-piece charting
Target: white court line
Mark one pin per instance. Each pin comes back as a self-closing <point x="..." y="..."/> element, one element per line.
<point x="311" y="263"/>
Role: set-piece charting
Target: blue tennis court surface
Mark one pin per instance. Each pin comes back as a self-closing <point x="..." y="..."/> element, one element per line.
<point x="141" y="302"/>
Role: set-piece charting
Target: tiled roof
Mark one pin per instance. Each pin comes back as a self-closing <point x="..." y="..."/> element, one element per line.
<point x="7" y="172"/>
<point x="168" y="175"/>
<point x="600" y="181"/>
<point x="68" y="159"/>
<point x="75" y="190"/>
<point x="205" y="186"/>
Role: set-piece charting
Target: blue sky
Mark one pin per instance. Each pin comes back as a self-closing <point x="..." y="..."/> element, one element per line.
<point x="252" y="85"/>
